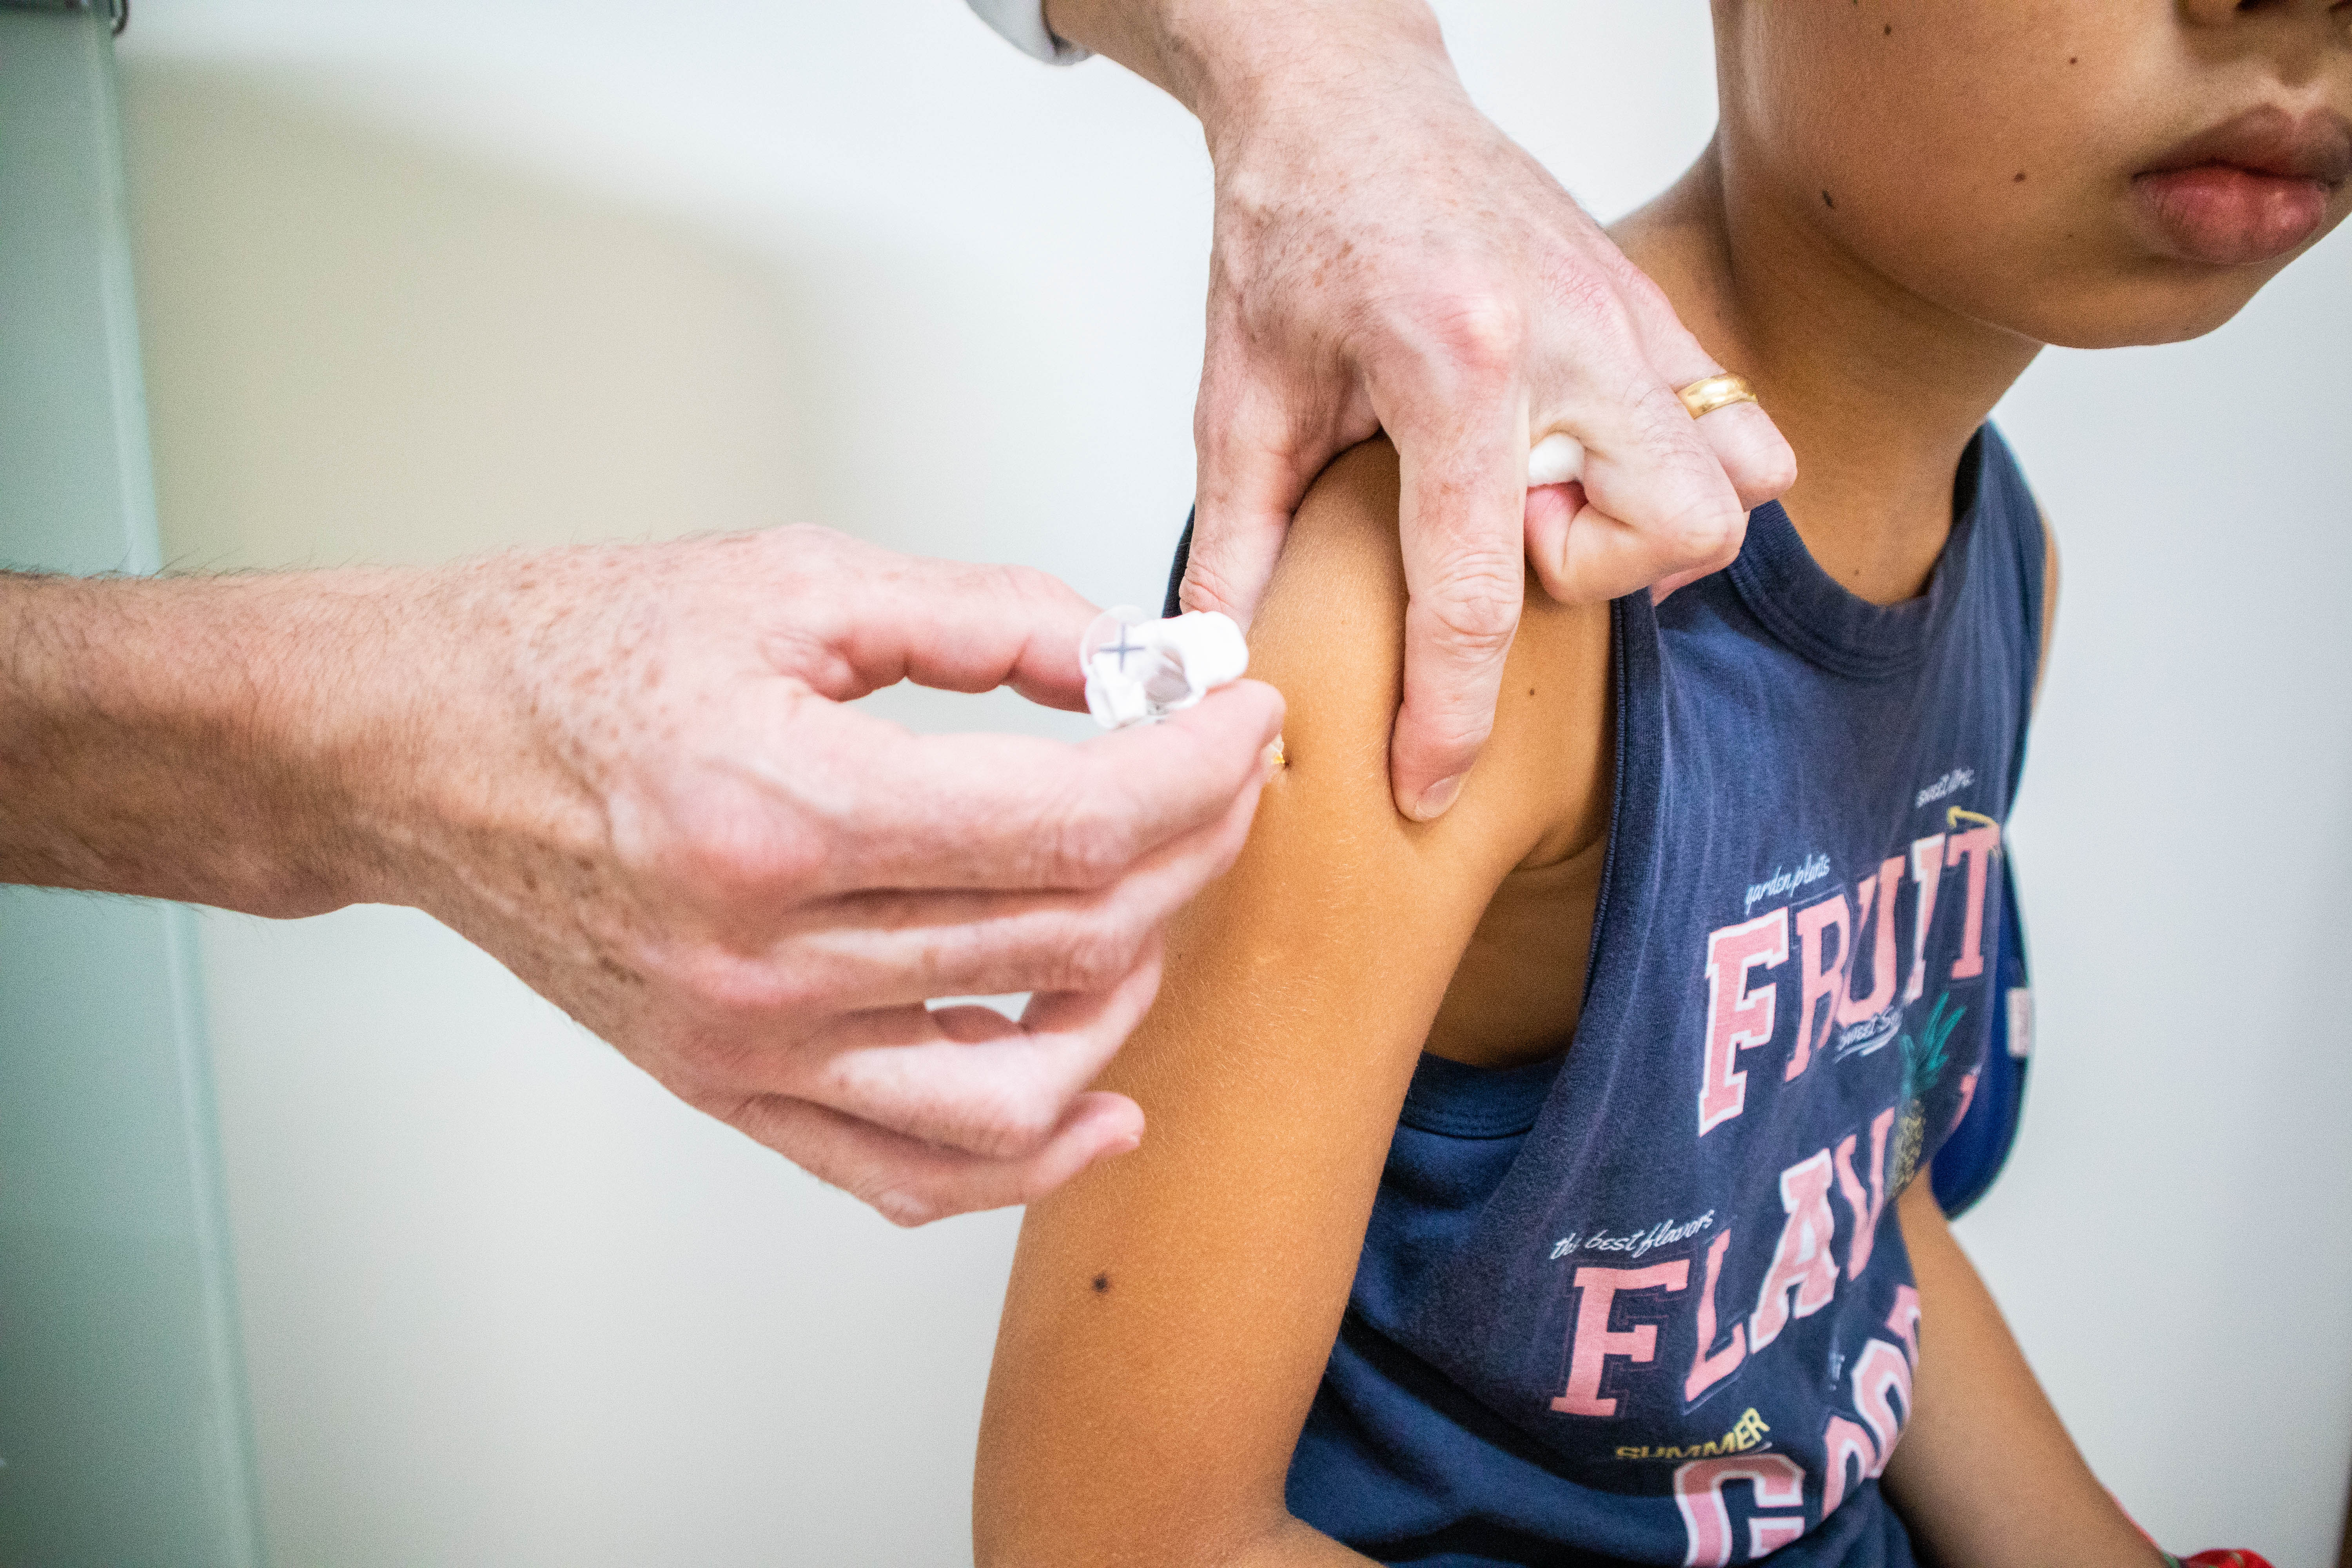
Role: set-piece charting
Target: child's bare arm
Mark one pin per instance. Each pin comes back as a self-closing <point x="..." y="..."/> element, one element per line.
<point x="1986" y="1476"/>
<point x="1170" y="1313"/>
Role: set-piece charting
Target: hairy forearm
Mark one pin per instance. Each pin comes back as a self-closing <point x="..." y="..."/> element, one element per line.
<point x="1226" y="60"/>
<point x="167" y="737"/>
<point x="276" y="743"/>
<point x="632" y="774"/>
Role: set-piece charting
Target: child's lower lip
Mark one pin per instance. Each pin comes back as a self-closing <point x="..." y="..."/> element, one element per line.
<point x="2220" y="213"/>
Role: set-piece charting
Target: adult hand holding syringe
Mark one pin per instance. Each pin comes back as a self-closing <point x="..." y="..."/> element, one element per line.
<point x="630" y="774"/>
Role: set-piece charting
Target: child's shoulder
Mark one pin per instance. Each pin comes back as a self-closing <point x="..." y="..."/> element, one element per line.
<point x="1331" y="636"/>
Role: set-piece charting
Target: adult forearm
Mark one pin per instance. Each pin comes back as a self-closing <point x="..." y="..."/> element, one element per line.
<point x="189" y="739"/>
<point x="632" y="774"/>
<point x="1227" y="59"/>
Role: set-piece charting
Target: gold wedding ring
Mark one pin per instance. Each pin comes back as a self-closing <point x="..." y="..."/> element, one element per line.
<point x="1703" y="397"/>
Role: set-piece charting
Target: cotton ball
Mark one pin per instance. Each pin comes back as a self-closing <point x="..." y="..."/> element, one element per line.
<point x="1555" y="461"/>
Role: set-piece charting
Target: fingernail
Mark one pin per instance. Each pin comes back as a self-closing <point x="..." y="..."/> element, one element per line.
<point x="1436" y="799"/>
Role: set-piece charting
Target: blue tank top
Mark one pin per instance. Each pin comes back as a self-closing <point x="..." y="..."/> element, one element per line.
<point x="1647" y="1302"/>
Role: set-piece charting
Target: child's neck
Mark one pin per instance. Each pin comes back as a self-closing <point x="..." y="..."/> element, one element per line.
<point x="1876" y="389"/>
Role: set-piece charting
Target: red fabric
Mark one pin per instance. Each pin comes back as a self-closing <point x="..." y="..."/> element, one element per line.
<point x="2218" y="1557"/>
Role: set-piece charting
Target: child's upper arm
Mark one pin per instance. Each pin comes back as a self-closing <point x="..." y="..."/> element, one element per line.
<point x="1170" y="1312"/>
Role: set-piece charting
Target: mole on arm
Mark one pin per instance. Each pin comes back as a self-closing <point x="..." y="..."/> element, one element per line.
<point x="1102" y="1284"/>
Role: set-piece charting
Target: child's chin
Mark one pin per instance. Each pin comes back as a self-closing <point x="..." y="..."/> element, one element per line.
<point x="2142" y="314"/>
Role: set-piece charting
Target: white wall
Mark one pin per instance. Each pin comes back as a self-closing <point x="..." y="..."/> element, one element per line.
<point x="421" y="278"/>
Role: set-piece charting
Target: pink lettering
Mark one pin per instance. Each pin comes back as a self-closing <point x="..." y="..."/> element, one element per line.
<point x="1866" y="1211"/>
<point x="1774" y="1481"/>
<point x="1824" y="979"/>
<point x="1979" y="844"/>
<point x="1845" y="1441"/>
<point x="1594" y="1341"/>
<point x="1927" y="871"/>
<point x="1801" y="1258"/>
<point x="1711" y="1366"/>
<point x="1905" y="1319"/>
<point x="1880" y="1373"/>
<point x="1881" y="946"/>
<point x="1736" y="1017"/>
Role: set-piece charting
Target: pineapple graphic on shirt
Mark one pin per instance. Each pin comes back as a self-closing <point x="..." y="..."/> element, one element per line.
<point x="1924" y="1061"/>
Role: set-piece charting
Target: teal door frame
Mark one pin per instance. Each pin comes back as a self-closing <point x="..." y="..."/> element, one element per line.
<point x="124" y="1434"/>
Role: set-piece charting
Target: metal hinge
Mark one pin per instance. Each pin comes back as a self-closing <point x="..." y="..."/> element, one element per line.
<point x="117" y="11"/>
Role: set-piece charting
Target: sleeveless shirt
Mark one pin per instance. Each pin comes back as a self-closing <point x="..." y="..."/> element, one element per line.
<point x="1647" y="1302"/>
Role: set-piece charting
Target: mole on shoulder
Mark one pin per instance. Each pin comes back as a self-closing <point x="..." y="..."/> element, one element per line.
<point x="1102" y="1284"/>
<point x="1828" y="202"/>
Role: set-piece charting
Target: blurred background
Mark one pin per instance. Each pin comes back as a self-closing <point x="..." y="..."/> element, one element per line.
<point x="419" y="278"/>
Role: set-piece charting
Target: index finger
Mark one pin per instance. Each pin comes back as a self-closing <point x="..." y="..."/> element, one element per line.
<point x="955" y="625"/>
<point x="1018" y="812"/>
<point x="1256" y="464"/>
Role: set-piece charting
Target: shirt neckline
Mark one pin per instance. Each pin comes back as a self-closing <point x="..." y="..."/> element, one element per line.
<point x="1784" y="587"/>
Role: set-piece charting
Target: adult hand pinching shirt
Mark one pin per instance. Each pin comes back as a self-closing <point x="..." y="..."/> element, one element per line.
<point x="1386" y="259"/>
